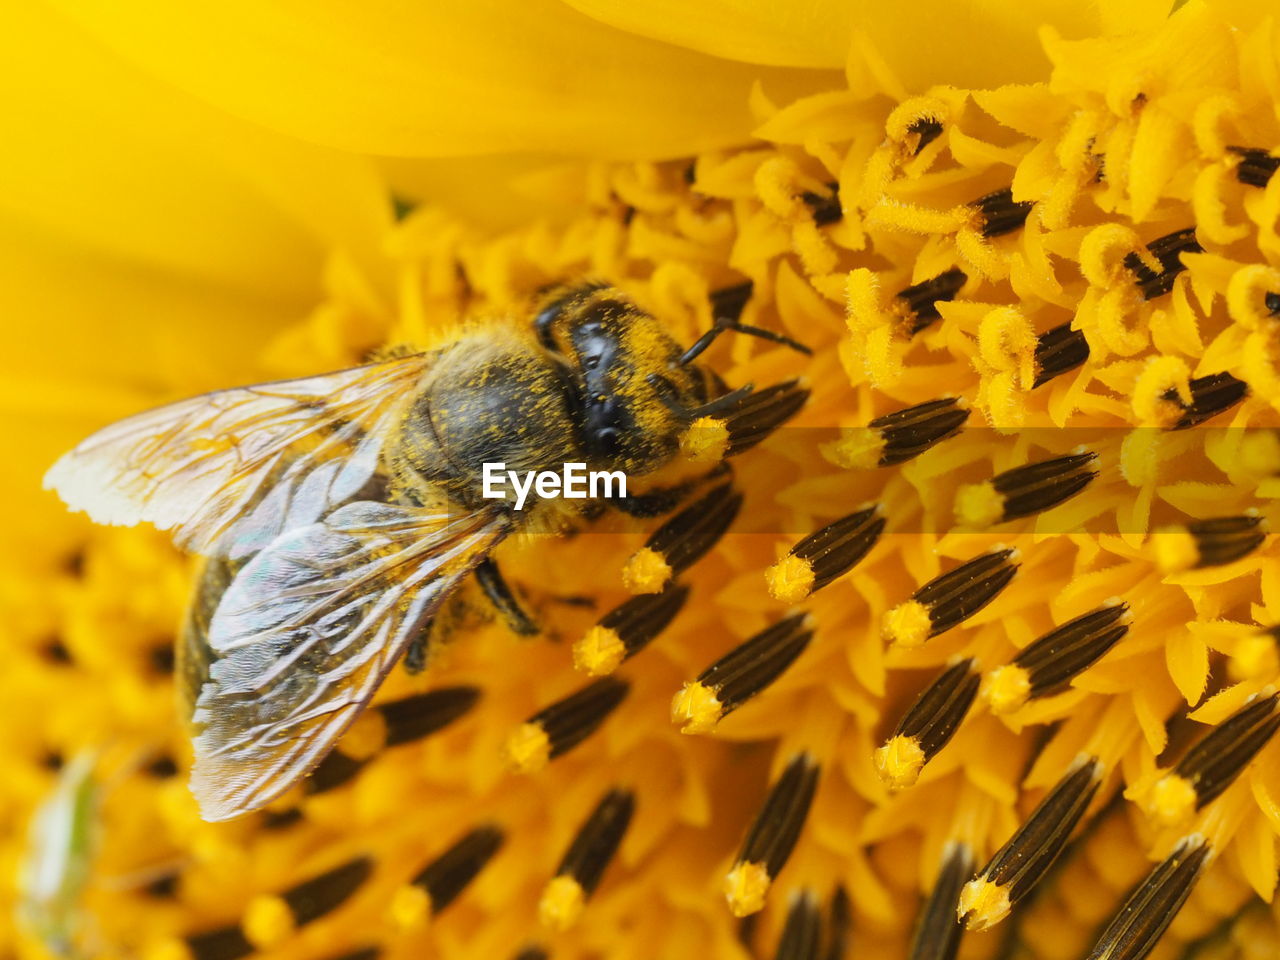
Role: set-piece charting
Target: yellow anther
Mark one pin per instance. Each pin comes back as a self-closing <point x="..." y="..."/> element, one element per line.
<point x="1171" y="800"/>
<point x="1008" y="689"/>
<point x="366" y="736"/>
<point x="1176" y="551"/>
<point x="1247" y="295"/>
<point x="529" y="748"/>
<point x="745" y="887"/>
<point x="410" y="908"/>
<point x="705" y="441"/>
<point x="899" y="762"/>
<point x="979" y="505"/>
<point x="907" y="624"/>
<point x="858" y="448"/>
<point x="646" y="572"/>
<point x="599" y="652"/>
<point x="561" y="904"/>
<point x="983" y="904"/>
<point x="1158" y="378"/>
<point x="790" y="580"/>
<point x="268" y="922"/>
<point x="696" y="708"/>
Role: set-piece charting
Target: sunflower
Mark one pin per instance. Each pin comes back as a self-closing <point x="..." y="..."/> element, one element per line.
<point x="987" y="665"/>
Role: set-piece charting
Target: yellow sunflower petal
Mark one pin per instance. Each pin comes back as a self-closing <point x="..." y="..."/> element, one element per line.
<point x="444" y="79"/>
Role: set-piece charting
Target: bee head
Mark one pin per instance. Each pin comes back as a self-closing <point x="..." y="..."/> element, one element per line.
<point x="626" y="369"/>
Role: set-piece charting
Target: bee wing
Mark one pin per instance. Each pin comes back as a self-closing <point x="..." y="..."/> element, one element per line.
<point x="305" y="633"/>
<point x="227" y="472"/>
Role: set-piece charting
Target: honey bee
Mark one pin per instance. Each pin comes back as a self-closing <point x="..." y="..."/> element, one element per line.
<point x="339" y="511"/>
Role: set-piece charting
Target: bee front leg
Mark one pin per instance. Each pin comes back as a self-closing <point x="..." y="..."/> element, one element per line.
<point x="504" y="599"/>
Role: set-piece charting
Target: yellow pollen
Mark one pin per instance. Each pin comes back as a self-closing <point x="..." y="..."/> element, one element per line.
<point x="907" y="624"/>
<point x="1008" y="688"/>
<point x="899" y="762"/>
<point x="705" y="441"/>
<point x="979" y="505"/>
<point x="366" y="736"/>
<point x="790" y="580"/>
<point x="529" y="748"/>
<point x="745" y="887"/>
<point x="410" y="907"/>
<point x="697" y="708"/>
<point x="599" y="651"/>
<point x="268" y="922"/>
<point x="1176" y="550"/>
<point x="1171" y="800"/>
<point x="647" y="571"/>
<point x="859" y="448"/>
<point x="561" y="904"/>
<point x="982" y="904"/>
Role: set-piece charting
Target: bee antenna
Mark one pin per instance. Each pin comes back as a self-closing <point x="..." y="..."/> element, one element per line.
<point x="728" y="323"/>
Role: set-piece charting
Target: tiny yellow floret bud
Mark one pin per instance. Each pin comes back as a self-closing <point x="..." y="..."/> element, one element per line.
<point x="983" y="904"/>
<point x="529" y="748"/>
<point x="899" y="762"/>
<point x="697" y="708"/>
<point x="790" y="580"/>
<point x="561" y="904"/>
<point x="745" y="887"/>
<point x="599" y="651"/>
<point x="907" y="624"/>
<point x="1008" y="688"/>
<point x="646" y="572"/>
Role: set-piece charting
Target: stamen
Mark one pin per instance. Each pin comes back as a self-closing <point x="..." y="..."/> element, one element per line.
<point x="1025" y="490"/>
<point x="752" y="419"/>
<point x="928" y="726"/>
<point x="223" y="943"/>
<point x="563" y="725"/>
<point x="919" y="302"/>
<point x="1214" y="762"/>
<point x="899" y="436"/>
<point x="1256" y="167"/>
<point x="948" y="600"/>
<point x="839" y="925"/>
<point x="1000" y="214"/>
<point x="938" y="930"/>
<point x="626" y="630"/>
<point x="827" y="209"/>
<point x="821" y="557"/>
<point x="802" y="933"/>
<point x="584" y="864"/>
<point x="396" y="722"/>
<point x="440" y="882"/>
<point x="1209" y="543"/>
<point x="270" y="920"/>
<point x="772" y="837"/>
<point x="927" y="130"/>
<point x="1210" y="396"/>
<point x="1022" y="862"/>
<point x="739" y="675"/>
<point x="681" y="541"/>
<point x="1058" y="351"/>
<point x="1167" y="251"/>
<point x="1049" y="664"/>
<point x="1150" y="909"/>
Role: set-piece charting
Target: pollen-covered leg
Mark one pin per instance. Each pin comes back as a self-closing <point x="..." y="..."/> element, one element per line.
<point x="1213" y="763"/>
<point x="389" y="725"/>
<point x="682" y="540"/>
<point x="1022" y="862"/>
<point x="563" y="725"/>
<point x="899" y="436"/>
<point x="739" y="675"/>
<point x="503" y="598"/>
<point x="938" y="931"/>
<point x="1145" y="916"/>
<point x="948" y="600"/>
<point x="772" y="837"/>
<point x="1049" y="664"/>
<point x="270" y="920"/>
<point x="440" y="882"/>
<point x="1025" y="490"/>
<point x="584" y="863"/>
<point x="928" y="726"/>
<point x="1209" y="543"/>
<point x="823" y="556"/>
<point x="627" y="629"/>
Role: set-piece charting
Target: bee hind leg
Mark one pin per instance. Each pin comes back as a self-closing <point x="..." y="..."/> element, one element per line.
<point x="504" y="601"/>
